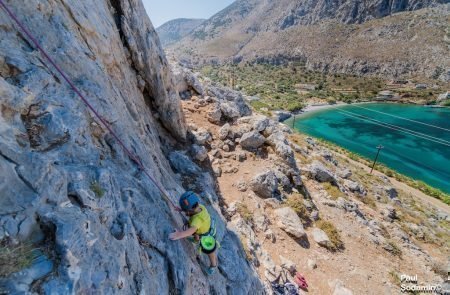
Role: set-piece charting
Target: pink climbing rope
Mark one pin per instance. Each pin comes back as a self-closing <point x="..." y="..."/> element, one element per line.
<point x="86" y="102"/>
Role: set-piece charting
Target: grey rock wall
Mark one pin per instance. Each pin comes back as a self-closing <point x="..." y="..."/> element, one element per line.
<point x="67" y="187"/>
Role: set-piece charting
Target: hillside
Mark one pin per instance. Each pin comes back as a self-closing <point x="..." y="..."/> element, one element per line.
<point x="174" y="30"/>
<point x="330" y="36"/>
<point x="346" y="230"/>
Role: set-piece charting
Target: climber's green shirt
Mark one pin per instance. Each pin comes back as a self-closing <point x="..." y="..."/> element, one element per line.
<point x="201" y="220"/>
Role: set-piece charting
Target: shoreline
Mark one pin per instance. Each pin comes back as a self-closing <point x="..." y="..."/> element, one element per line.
<point x="315" y="108"/>
<point x="319" y="107"/>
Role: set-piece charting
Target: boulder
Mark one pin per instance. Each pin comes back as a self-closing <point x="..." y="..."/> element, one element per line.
<point x="226" y="148"/>
<point x="199" y="152"/>
<point x="252" y="140"/>
<point x="265" y="185"/>
<point x="202" y="136"/>
<point x="320" y="173"/>
<point x="214" y="115"/>
<point x="224" y="131"/>
<point x="344" y="173"/>
<point x="282" y="148"/>
<point x="321" y="238"/>
<point x="193" y="82"/>
<point x="315" y="215"/>
<point x="283" y="180"/>
<point x="289" y="222"/>
<point x="354" y="187"/>
<point x="259" y="123"/>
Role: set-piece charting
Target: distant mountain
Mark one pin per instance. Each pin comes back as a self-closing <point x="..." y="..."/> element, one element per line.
<point x="174" y="30"/>
<point x="386" y="37"/>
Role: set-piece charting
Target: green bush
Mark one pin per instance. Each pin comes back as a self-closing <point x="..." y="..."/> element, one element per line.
<point x="333" y="191"/>
<point x="294" y="106"/>
<point x="332" y="233"/>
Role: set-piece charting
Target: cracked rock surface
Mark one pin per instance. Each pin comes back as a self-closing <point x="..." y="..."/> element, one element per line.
<point x="66" y="184"/>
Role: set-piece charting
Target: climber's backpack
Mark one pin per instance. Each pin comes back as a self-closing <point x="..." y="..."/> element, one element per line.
<point x="285" y="288"/>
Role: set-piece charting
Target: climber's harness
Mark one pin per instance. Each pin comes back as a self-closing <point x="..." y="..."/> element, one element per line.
<point x="207" y="241"/>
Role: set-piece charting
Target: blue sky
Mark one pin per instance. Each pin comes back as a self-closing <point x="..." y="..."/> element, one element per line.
<point x="165" y="10"/>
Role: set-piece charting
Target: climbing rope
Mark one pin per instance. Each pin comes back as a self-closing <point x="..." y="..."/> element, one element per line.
<point x="132" y="156"/>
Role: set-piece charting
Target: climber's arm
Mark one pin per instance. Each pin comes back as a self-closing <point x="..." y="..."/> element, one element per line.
<point x="176" y="235"/>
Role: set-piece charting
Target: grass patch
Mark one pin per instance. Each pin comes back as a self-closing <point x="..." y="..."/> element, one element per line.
<point x="295" y="201"/>
<point x="393" y="248"/>
<point x="395" y="278"/>
<point x="97" y="189"/>
<point x="332" y="233"/>
<point x="243" y="210"/>
<point x="369" y="202"/>
<point x="14" y="258"/>
<point x="333" y="191"/>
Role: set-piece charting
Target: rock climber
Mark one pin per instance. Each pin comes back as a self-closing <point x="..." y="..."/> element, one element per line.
<point x="199" y="229"/>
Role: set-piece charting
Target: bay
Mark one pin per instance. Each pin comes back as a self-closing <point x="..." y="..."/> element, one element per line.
<point x="416" y="139"/>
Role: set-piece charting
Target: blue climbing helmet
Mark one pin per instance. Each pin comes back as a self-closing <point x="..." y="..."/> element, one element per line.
<point x="188" y="200"/>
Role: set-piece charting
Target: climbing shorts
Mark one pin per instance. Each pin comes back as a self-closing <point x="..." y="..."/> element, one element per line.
<point x="208" y="244"/>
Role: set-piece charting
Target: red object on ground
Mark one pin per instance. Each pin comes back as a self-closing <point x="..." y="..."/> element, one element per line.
<point x="300" y="281"/>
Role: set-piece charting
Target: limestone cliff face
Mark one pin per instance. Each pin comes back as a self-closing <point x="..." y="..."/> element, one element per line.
<point x="67" y="187"/>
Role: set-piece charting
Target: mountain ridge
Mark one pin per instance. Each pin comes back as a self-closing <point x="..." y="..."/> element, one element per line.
<point x="263" y="32"/>
<point x="174" y="30"/>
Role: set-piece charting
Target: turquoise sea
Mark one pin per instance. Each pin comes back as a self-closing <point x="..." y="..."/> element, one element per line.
<point x="416" y="139"/>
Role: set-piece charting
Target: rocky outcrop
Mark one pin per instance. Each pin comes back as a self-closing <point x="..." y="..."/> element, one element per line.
<point x="231" y="103"/>
<point x="288" y="221"/>
<point x="321" y="238"/>
<point x="252" y="140"/>
<point x="320" y="173"/>
<point x="265" y="185"/>
<point x="308" y="12"/>
<point x="67" y="186"/>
